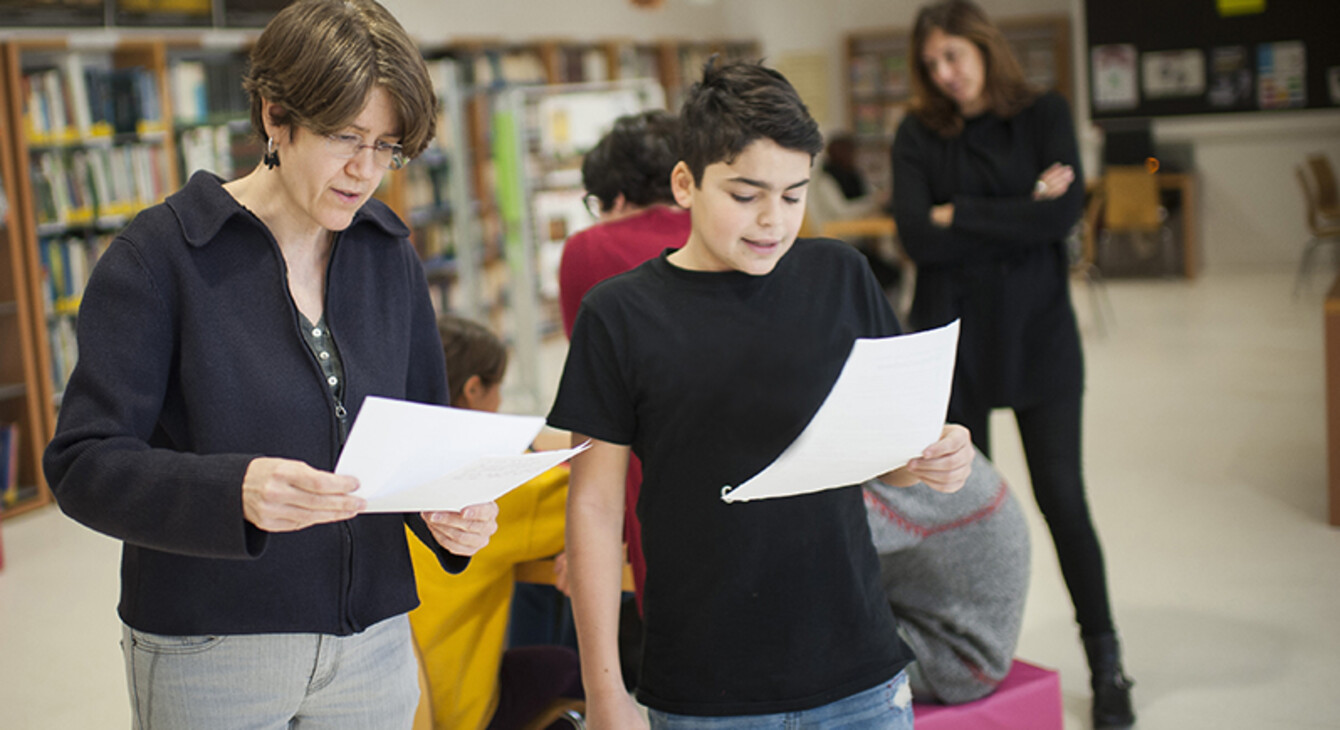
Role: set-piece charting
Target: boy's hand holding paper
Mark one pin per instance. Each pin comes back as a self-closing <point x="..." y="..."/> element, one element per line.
<point x="886" y="408"/>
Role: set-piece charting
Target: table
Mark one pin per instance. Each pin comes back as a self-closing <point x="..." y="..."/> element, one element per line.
<point x="1184" y="183"/>
<point x="860" y="228"/>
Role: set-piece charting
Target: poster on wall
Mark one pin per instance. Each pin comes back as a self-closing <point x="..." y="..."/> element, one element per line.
<point x="1230" y="78"/>
<point x="1170" y="74"/>
<point x="1114" y="77"/>
<point x="52" y="14"/>
<point x="1281" y="74"/>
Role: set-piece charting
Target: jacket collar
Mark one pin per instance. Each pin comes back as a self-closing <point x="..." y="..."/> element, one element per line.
<point x="203" y="206"/>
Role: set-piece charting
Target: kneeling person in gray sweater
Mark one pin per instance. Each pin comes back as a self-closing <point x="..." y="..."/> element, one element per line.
<point x="955" y="570"/>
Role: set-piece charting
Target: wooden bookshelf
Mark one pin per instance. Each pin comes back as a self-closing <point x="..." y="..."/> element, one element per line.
<point x="77" y="171"/>
<point x="21" y="400"/>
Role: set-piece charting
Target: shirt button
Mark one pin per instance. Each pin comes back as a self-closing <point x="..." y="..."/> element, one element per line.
<point x="332" y="380"/>
<point x="325" y="355"/>
<point x="316" y="331"/>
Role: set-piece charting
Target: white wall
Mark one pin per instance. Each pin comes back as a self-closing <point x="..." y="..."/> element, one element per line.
<point x="1251" y="212"/>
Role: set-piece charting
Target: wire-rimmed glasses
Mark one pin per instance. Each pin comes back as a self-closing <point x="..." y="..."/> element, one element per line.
<point x="346" y="146"/>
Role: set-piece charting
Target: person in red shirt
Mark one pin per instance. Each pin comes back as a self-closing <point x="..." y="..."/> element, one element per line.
<point x="627" y="180"/>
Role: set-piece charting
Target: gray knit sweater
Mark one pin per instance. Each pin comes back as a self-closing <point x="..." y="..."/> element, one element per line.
<point x="955" y="570"/>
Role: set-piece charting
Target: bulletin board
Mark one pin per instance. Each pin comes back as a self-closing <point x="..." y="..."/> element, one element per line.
<point x="1151" y="58"/>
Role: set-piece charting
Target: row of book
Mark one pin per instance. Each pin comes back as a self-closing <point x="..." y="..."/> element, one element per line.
<point x="208" y="90"/>
<point x="101" y="186"/>
<point x="881" y="74"/>
<point x="67" y="262"/>
<point x="64" y="351"/>
<point x="81" y="100"/>
<point x="9" y="464"/>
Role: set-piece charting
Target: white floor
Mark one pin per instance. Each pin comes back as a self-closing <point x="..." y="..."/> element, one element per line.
<point x="1206" y="465"/>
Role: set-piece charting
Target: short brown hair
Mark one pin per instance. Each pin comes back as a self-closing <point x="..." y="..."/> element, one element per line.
<point x="470" y="349"/>
<point x="318" y="61"/>
<point x="1007" y="91"/>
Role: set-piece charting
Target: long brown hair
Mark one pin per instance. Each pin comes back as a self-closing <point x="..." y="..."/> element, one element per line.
<point x="1006" y="90"/>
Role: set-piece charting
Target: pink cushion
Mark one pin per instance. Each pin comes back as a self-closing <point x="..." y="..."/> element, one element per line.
<point x="1028" y="699"/>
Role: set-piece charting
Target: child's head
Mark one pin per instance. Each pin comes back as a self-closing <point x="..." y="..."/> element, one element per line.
<point x="633" y="162"/>
<point x="476" y="362"/>
<point x="747" y="144"/>
<point x="736" y="104"/>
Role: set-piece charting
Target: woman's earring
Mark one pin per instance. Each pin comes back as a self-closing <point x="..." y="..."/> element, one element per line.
<point x="271" y="158"/>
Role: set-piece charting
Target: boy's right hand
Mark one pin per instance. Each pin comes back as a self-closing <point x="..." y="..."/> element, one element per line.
<point x="613" y="710"/>
<point x="284" y="495"/>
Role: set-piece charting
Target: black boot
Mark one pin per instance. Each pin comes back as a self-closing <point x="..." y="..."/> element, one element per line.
<point x="1111" y="686"/>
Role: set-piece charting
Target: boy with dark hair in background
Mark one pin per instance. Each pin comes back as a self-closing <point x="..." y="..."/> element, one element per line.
<point x="707" y="362"/>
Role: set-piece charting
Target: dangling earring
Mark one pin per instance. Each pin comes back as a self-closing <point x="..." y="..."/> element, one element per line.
<point x="271" y="158"/>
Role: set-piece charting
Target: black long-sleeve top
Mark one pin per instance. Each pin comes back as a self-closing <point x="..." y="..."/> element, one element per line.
<point x="192" y="364"/>
<point x="1002" y="265"/>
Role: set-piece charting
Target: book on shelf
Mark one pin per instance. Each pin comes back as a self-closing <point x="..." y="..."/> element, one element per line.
<point x="9" y="463"/>
<point x="208" y="90"/>
<point x="96" y="185"/>
<point x="64" y="351"/>
<point x="67" y="262"/>
<point x="895" y="78"/>
<point x="81" y="99"/>
<point x="864" y="74"/>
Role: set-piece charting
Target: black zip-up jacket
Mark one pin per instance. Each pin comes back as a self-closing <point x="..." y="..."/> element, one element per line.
<point x="191" y="364"/>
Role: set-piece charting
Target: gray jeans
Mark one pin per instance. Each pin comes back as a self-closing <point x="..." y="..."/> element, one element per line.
<point x="273" y="681"/>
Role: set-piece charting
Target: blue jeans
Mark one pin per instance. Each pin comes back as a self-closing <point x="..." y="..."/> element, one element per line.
<point x="273" y="681"/>
<point x="887" y="706"/>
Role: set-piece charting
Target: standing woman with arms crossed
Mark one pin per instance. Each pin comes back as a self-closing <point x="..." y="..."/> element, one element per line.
<point x="227" y="339"/>
<point x="986" y="188"/>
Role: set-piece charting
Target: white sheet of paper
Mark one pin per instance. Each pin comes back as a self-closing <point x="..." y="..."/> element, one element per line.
<point x="414" y="457"/>
<point x="888" y="404"/>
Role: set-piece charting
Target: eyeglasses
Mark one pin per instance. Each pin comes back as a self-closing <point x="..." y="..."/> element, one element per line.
<point x="346" y="146"/>
<point x="593" y="204"/>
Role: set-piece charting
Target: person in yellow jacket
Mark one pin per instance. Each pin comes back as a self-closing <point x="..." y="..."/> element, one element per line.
<point x="460" y="626"/>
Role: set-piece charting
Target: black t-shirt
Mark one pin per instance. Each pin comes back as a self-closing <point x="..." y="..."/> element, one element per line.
<point x="754" y="607"/>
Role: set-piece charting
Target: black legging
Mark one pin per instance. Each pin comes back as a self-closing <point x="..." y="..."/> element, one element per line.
<point x="1051" y="436"/>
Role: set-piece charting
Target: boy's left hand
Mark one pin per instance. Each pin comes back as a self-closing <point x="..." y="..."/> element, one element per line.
<point x="943" y="466"/>
<point x="465" y="532"/>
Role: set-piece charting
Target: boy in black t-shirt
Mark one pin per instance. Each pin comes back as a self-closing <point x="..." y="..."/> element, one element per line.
<point x="707" y="362"/>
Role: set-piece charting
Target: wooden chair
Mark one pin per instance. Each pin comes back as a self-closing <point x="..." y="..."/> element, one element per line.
<point x="1322" y="207"/>
<point x="1131" y="207"/>
<point x="1084" y="266"/>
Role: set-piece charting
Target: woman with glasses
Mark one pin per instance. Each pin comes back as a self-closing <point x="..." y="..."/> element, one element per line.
<point x="227" y="339"/>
